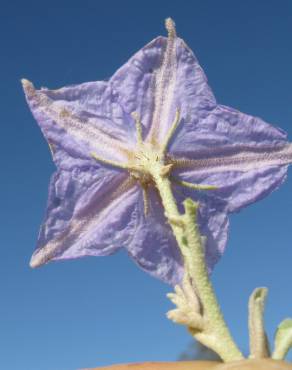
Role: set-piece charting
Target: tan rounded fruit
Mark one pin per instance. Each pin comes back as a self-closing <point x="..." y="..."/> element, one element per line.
<point x="264" y="364"/>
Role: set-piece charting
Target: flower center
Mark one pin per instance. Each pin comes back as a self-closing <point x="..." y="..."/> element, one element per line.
<point x="148" y="163"/>
<point x="144" y="161"/>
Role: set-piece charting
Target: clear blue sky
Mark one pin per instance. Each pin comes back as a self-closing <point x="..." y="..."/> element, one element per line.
<point x="98" y="311"/>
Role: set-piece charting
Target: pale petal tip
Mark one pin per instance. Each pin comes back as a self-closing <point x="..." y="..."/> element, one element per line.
<point x="27" y="86"/>
<point x="25" y="82"/>
<point x="170" y="27"/>
<point x="35" y="261"/>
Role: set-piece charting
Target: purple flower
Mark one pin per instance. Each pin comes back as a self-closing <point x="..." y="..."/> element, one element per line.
<point x="159" y="107"/>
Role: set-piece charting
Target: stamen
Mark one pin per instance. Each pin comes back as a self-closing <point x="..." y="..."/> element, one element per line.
<point x="193" y="186"/>
<point x="111" y="163"/>
<point x="145" y="200"/>
<point x="171" y="131"/>
<point x="138" y="124"/>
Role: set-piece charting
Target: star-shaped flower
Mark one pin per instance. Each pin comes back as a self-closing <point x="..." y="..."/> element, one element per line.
<point x="106" y="138"/>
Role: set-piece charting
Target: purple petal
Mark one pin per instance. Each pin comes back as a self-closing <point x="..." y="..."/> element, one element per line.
<point x="89" y="213"/>
<point x="182" y="85"/>
<point x="154" y="83"/>
<point x="220" y="127"/>
<point x="243" y="156"/>
<point x="79" y="120"/>
<point x="134" y="82"/>
<point x="239" y="189"/>
<point x="154" y="247"/>
<point x="94" y="210"/>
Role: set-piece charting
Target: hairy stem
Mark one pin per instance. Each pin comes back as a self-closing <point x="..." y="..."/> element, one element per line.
<point x="216" y="334"/>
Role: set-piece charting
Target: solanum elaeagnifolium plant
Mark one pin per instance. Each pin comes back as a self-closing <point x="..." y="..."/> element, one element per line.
<point x="150" y="162"/>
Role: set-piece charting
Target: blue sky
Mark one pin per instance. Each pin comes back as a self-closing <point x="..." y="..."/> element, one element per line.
<point x="99" y="311"/>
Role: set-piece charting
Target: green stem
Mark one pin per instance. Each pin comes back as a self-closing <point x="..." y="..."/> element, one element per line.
<point x="185" y="229"/>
